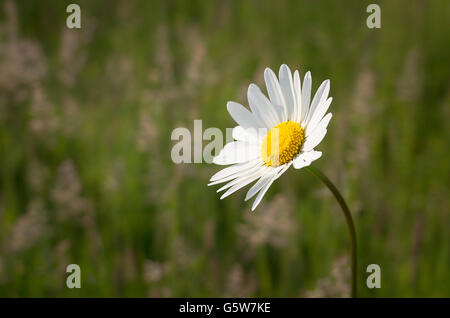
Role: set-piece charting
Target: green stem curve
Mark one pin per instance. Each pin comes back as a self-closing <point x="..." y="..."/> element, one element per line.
<point x="348" y="218"/>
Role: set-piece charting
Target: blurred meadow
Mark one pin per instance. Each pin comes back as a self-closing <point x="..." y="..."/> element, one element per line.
<point x="86" y="175"/>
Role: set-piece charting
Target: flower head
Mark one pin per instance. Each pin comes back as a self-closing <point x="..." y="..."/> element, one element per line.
<point x="278" y="132"/>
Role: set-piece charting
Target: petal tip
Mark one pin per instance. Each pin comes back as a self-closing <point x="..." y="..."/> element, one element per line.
<point x="268" y="72"/>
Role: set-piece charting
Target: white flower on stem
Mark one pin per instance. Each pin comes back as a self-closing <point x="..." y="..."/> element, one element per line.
<point x="274" y="134"/>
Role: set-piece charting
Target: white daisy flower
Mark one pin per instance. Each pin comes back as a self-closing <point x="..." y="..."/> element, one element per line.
<point x="287" y="118"/>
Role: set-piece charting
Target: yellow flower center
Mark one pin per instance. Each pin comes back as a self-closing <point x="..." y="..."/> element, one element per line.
<point x="289" y="136"/>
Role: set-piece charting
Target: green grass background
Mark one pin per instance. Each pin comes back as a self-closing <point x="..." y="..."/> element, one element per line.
<point x="86" y="175"/>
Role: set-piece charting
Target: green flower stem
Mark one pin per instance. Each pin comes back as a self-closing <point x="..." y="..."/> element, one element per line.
<point x="348" y="218"/>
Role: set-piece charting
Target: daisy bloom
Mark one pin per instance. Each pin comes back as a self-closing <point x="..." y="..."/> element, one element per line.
<point x="276" y="133"/>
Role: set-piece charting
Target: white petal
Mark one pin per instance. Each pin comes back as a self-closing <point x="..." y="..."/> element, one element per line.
<point x="258" y="185"/>
<point x="275" y="174"/>
<point x="242" y="134"/>
<point x="318" y="100"/>
<point x="263" y="191"/>
<point x="306" y="95"/>
<point x="311" y="155"/>
<point x="261" y="106"/>
<point x="275" y="94"/>
<point x="243" y="116"/>
<point x="236" y="152"/>
<point x="231" y="170"/>
<point x="242" y="173"/>
<point x="283" y="169"/>
<point x="322" y="125"/>
<point x="259" y="170"/>
<point x="242" y="183"/>
<point x="300" y="162"/>
<point x="305" y="159"/>
<point x="319" y="113"/>
<point x="313" y="140"/>
<point x="298" y="96"/>
<point x="287" y="87"/>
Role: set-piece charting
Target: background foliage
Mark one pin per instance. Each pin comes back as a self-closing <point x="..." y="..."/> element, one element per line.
<point x="85" y="170"/>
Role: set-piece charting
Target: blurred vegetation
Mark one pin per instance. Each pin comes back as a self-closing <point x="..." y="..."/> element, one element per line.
<point x="85" y="169"/>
